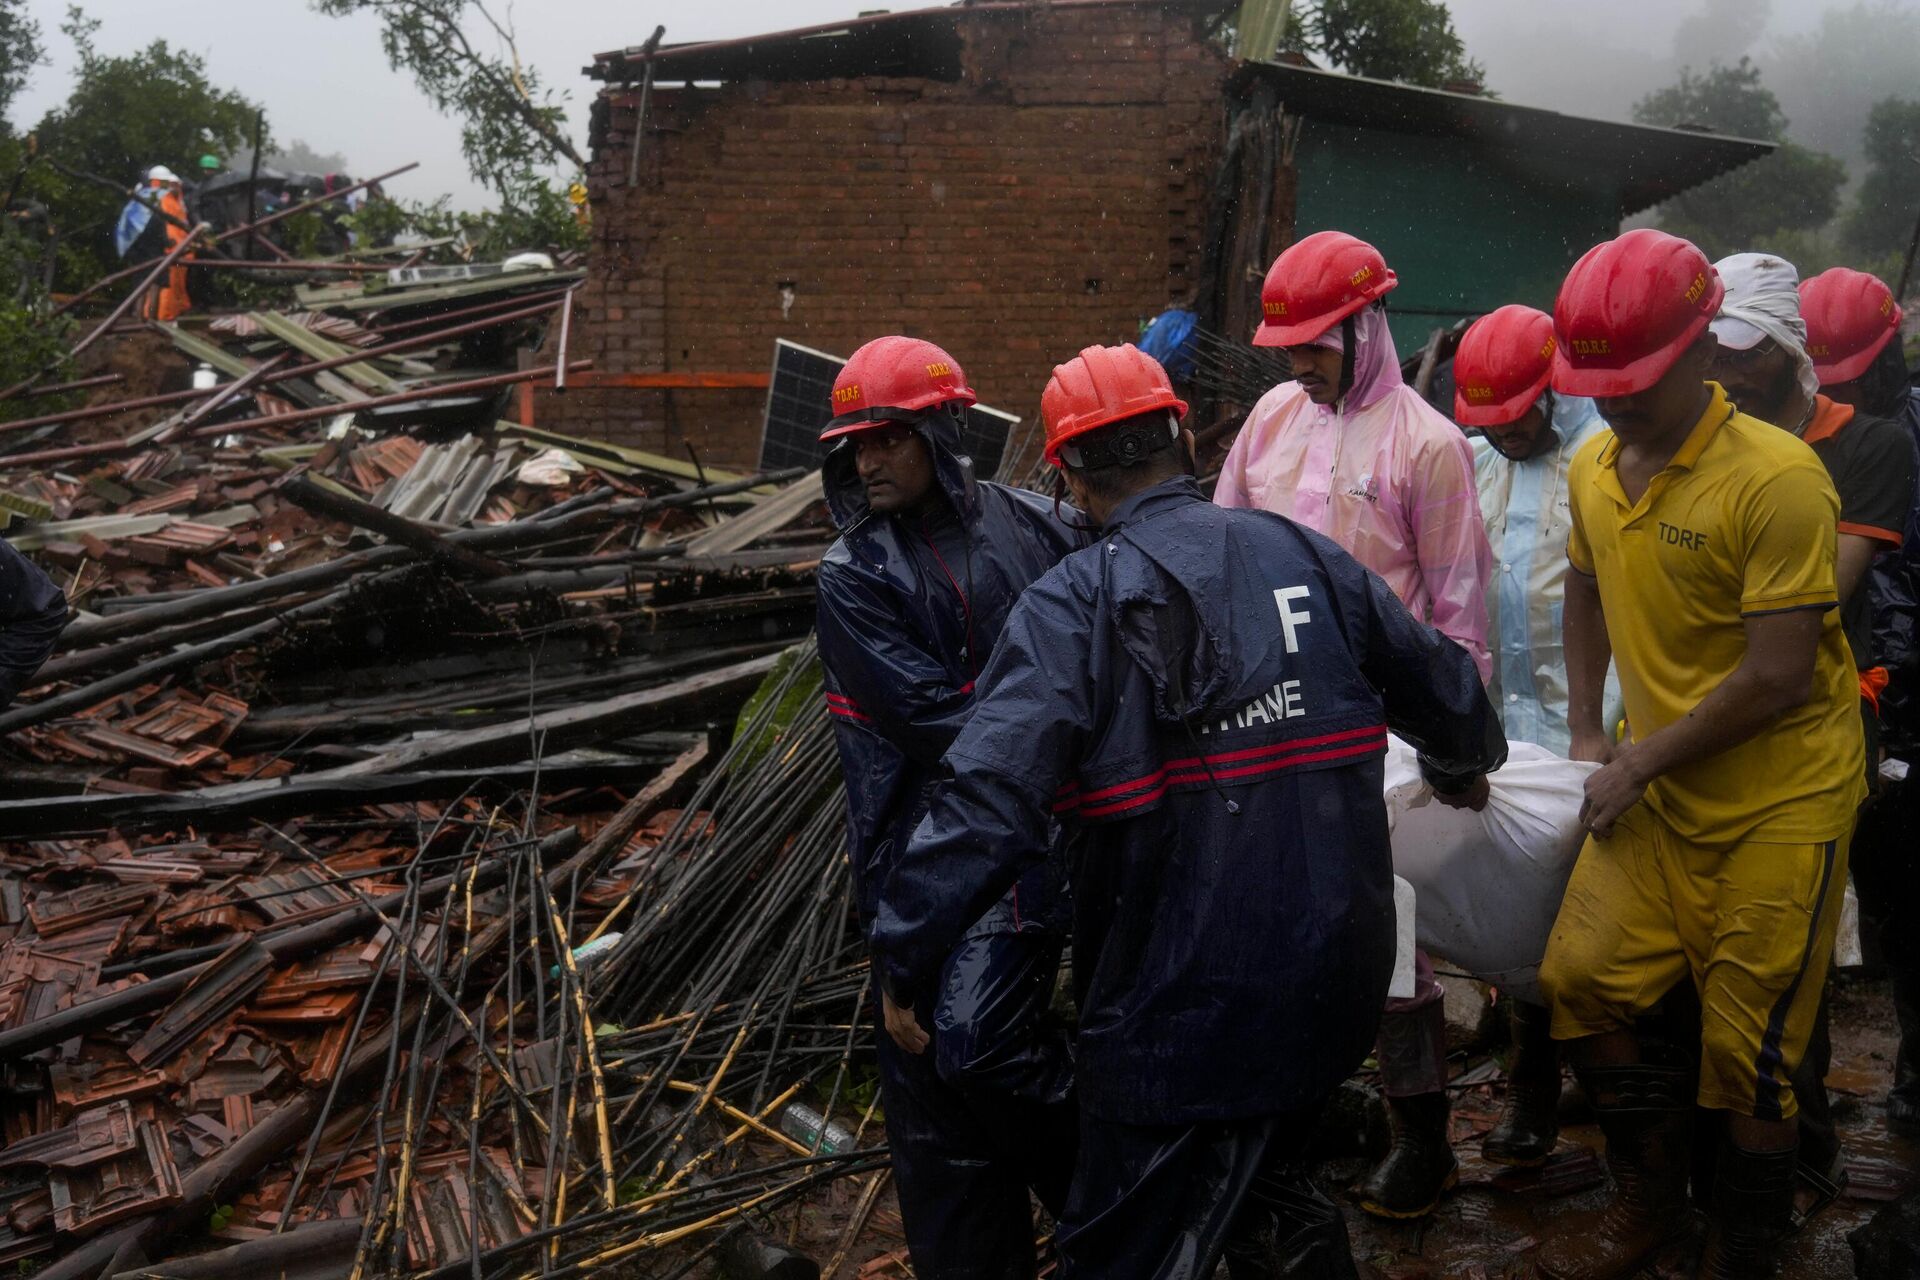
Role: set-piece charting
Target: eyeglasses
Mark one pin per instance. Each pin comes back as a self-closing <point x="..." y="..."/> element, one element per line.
<point x="1752" y="358"/>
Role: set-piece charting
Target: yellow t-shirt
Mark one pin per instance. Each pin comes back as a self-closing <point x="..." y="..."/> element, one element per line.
<point x="1742" y="521"/>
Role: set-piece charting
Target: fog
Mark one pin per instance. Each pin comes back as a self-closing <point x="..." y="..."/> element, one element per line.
<point x="1827" y="62"/>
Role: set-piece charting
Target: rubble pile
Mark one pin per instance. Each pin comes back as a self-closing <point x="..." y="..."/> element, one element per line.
<point x="390" y="881"/>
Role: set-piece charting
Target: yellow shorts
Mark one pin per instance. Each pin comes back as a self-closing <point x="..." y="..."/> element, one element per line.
<point x="1753" y="926"/>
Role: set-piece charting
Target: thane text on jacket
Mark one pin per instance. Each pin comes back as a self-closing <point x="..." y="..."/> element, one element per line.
<point x="1204" y="697"/>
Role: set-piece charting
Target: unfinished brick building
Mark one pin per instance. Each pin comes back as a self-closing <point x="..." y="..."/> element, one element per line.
<point x="1016" y="181"/>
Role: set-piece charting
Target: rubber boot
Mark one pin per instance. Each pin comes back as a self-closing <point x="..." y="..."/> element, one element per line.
<point x="1644" y="1112"/>
<point x="1419" y="1166"/>
<point x="1529" y="1119"/>
<point x="1287" y="1229"/>
<point x="1903" y="1099"/>
<point x="1752" y="1199"/>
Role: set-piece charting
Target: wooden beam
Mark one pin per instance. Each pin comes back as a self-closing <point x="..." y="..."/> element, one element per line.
<point x="303" y="492"/>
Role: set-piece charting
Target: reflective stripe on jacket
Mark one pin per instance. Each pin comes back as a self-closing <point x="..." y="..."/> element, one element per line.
<point x="1204" y="696"/>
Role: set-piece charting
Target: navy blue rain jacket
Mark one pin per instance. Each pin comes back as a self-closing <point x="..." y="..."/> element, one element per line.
<point x="909" y="611"/>
<point x="32" y="613"/>
<point x="1205" y="695"/>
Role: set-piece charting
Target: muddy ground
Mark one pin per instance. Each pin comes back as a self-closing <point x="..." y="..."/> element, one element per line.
<point x="1488" y="1227"/>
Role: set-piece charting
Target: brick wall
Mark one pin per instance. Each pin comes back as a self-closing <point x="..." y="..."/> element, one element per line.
<point x="1052" y="197"/>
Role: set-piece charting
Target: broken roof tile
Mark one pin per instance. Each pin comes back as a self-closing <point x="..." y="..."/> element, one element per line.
<point x="225" y="984"/>
<point x="126" y="1186"/>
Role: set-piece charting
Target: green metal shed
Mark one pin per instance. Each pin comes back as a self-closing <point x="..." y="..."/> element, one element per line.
<point x="1475" y="202"/>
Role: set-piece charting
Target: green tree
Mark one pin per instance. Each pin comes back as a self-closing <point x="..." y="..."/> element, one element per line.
<point x="544" y="221"/>
<point x="1793" y="190"/>
<point x="510" y="128"/>
<point x="29" y="342"/>
<point x="20" y="52"/>
<point x="1412" y="41"/>
<point x="126" y="114"/>
<point x="1888" y="201"/>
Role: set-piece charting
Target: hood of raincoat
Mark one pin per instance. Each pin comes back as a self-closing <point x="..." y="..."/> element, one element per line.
<point x="952" y="471"/>
<point x="1178" y="620"/>
<point x="909" y="611"/>
<point x="1376" y="361"/>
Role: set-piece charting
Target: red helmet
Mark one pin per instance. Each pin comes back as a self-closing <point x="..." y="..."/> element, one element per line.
<point x="1099" y="386"/>
<point x="1851" y="317"/>
<point x="1502" y="365"/>
<point x="1627" y="311"/>
<point x="1317" y="283"/>
<point x="891" y="380"/>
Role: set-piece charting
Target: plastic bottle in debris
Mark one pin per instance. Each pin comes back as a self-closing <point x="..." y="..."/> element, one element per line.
<point x="587" y="953"/>
<point x="802" y="1123"/>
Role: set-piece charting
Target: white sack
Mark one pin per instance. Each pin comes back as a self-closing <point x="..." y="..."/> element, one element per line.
<point x="1489" y="884"/>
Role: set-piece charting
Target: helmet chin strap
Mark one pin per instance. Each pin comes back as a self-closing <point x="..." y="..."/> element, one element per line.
<point x="1347" y="332"/>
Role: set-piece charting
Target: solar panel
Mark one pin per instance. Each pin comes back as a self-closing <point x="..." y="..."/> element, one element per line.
<point x="799" y="406"/>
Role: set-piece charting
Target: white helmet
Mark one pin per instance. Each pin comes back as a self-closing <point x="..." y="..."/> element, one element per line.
<point x="160" y="173"/>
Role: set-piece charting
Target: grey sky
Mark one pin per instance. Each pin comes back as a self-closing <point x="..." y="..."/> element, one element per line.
<point x="324" y="80"/>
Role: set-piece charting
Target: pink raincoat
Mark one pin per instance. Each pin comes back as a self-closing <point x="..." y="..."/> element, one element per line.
<point x="1383" y="474"/>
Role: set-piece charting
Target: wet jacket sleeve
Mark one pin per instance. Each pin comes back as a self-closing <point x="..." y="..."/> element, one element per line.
<point x="1432" y="693"/>
<point x="32" y="614"/>
<point x="990" y="820"/>
<point x="1450" y="542"/>
<point x="884" y="668"/>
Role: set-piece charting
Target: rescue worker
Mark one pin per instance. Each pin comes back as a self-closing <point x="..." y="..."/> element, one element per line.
<point x="1764" y="365"/>
<point x="1204" y="696"/>
<point x="32" y="614"/>
<point x="912" y="599"/>
<point x="1528" y="438"/>
<point x="1350" y="451"/>
<point x="169" y="301"/>
<point x="1853" y="335"/>
<point x="1702" y="546"/>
